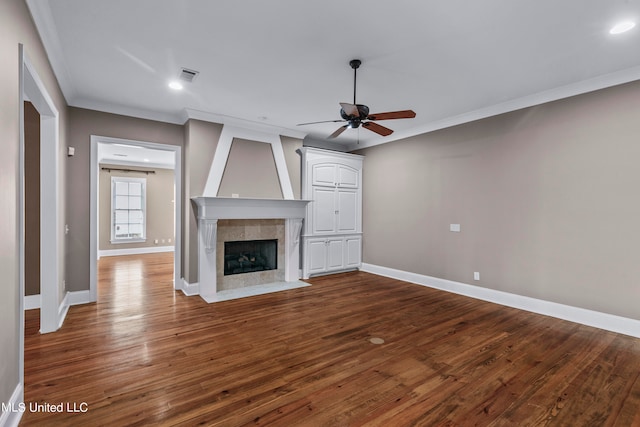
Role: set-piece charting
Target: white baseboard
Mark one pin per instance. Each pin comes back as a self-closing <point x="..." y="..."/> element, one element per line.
<point x="63" y="308"/>
<point x="31" y="302"/>
<point x="135" y="251"/>
<point x="583" y="316"/>
<point x="72" y="298"/>
<point x="11" y="418"/>
<point x="79" y="297"/>
<point x="190" y="289"/>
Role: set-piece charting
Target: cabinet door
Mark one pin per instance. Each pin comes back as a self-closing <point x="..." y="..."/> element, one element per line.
<point x="348" y="177"/>
<point x="316" y="255"/>
<point x="324" y="210"/>
<point x="335" y="254"/>
<point x="347" y="211"/>
<point x="324" y="174"/>
<point x="353" y="251"/>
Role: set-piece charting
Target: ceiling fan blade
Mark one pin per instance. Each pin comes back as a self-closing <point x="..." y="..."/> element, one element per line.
<point x="338" y="132"/>
<point x="324" y="121"/>
<point x="404" y="114"/>
<point x="380" y="130"/>
<point x="350" y="109"/>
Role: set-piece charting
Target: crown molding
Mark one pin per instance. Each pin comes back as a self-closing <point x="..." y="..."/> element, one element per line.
<point x="567" y="91"/>
<point x="46" y="28"/>
<point x="190" y="113"/>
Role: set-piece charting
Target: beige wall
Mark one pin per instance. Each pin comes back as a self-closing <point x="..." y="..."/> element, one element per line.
<point x="82" y="124"/>
<point x="201" y="140"/>
<point x="16" y="27"/>
<point x="547" y="198"/>
<point x="159" y="206"/>
<point x="250" y="171"/>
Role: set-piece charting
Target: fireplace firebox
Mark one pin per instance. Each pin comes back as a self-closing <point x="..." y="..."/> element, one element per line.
<point x="248" y="256"/>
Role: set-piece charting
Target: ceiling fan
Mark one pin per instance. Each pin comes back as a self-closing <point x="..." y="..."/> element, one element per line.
<point x="358" y="114"/>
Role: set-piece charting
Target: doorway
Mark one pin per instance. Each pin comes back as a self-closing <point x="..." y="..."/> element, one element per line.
<point x="31" y="206"/>
<point x="51" y="272"/>
<point x="101" y="145"/>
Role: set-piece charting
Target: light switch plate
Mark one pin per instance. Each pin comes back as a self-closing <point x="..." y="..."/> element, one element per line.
<point x="454" y="227"/>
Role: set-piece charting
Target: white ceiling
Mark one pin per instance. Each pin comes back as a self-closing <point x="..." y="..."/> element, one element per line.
<point x="274" y="64"/>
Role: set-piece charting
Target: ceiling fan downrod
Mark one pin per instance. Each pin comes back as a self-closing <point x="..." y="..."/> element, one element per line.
<point x="355" y="63"/>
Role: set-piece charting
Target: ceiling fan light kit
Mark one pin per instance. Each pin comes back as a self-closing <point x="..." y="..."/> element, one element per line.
<point x="358" y="114"/>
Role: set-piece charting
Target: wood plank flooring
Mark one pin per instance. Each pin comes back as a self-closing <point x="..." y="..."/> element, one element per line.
<point x="147" y="355"/>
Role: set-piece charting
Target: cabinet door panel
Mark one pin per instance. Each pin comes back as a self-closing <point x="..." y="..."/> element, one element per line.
<point x="348" y="176"/>
<point x="324" y="211"/>
<point x="347" y="208"/>
<point x="324" y="174"/>
<point x="353" y="250"/>
<point x="317" y="255"/>
<point x="335" y="254"/>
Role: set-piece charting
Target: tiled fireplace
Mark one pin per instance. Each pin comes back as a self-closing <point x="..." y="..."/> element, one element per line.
<point x="248" y="265"/>
<point x="223" y="220"/>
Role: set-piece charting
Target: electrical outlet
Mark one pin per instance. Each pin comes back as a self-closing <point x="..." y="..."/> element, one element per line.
<point x="155" y="242"/>
<point x="476" y="275"/>
<point x="454" y="227"/>
<point x="169" y="240"/>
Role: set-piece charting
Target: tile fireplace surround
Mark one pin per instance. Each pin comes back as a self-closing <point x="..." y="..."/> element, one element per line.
<point x="211" y="210"/>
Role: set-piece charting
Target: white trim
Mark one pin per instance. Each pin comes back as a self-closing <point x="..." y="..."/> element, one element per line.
<point x="128" y="111"/>
<point x="93" y="209"/>
<point x="71" y="298"/>
<point x="31" y="302"/>
<point x="12" y="418"/>
<point x="221" y="156"/>
<point x="583" y="316"/>
<point x="135" y="251"/>
<point x="190" y="113"/>
<point x="21" y="220"/>
<point x="562" y="92"/>
<point x="46" y="27"/>
<point x="79" y="297"/>
<point x="143" y="202"/>
<point x="33" y="88"/>
<point x="190" y="289"/>
<point x="241" y="208"/>
<point x="63" y="309"/>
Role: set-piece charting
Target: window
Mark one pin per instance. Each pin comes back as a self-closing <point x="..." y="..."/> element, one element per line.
<point x="128" y="216"/>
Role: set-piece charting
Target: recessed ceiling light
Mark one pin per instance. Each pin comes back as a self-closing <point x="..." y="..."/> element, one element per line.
<point x="175" y="85"/>
<point x="622" y="27"/>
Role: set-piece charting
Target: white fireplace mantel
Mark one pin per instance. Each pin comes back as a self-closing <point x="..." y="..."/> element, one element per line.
<point x="211" y="209"/>
<point x="243" y="208"/>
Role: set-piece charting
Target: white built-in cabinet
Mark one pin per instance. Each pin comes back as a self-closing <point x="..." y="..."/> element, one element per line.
<point x="332" y="231"/>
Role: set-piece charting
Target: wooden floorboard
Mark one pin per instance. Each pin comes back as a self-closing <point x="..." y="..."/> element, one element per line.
<point x="147" y="355"/>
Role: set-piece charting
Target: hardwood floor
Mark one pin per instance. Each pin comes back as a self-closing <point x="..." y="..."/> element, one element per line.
<point x="146" y="355"/>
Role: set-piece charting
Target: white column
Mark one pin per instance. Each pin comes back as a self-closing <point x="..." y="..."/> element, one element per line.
<point x="207" y="237"/>
<point x="292" y="228"/>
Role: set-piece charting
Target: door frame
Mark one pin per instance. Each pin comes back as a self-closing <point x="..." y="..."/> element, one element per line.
<point x="93" y="209"/>
<point x="32" y="89"/>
